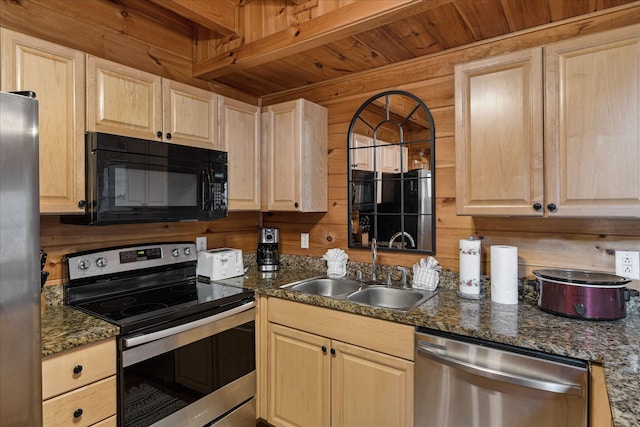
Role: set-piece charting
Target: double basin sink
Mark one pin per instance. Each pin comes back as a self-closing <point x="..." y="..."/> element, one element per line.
<point x="372" y="294"/>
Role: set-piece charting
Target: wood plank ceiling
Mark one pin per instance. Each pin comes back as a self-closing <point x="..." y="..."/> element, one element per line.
<point x="354" y="37"/>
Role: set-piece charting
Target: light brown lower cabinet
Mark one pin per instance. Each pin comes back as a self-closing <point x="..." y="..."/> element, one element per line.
<point x="79" y="386"/>
<point x="330" y="368"/>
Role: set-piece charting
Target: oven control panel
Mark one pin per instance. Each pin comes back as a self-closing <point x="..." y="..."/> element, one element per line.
<point x="109" y="261"/>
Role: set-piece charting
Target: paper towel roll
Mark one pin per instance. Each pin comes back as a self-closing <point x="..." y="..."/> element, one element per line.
<point x="470" y="267"/>
<point x="504" y="274"/>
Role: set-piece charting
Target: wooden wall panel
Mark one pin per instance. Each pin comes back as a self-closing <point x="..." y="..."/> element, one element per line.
<point x="542" y="242"/>
<point x="238" y="230"/>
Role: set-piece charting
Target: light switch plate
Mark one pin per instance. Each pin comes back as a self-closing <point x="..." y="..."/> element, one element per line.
<point x="628" y="264"/>
<point x="304" y="240"/>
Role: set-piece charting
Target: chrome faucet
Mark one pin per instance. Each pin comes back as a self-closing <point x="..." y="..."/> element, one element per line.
<point x="374" y="255"/>
<point x="404" y="272"/>
<point x="402" y="233"/>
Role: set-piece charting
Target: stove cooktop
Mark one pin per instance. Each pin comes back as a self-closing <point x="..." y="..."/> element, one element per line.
<point x="144" y="287"/>
<point x="157" y="306"/>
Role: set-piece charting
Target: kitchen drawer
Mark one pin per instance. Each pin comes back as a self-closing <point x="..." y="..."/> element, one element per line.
<point x="97" y="402"/>
<point x="92" y="361"/>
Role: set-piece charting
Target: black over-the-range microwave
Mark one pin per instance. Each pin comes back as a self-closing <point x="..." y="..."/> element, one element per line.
<point x="131" y="180"/>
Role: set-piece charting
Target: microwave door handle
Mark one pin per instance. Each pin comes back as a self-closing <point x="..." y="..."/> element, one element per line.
<point x="205" y="188"/>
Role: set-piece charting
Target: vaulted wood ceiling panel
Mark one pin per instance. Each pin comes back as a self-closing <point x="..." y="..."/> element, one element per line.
<point x="251" y="83"/>
<point x="326" y="63"/>
<point x="351" y="55"/>
<point x="385" y="43"/>
<point x="445" y="25"/>
<point x="218" y="16"/>
<point x="566" y="9"/>
<point x="485" y="18"/>
<point x="526" y="14"/>
<point x="412" y="35"/>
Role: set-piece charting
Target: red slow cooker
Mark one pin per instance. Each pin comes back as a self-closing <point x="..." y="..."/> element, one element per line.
<point x="582" y="294"/>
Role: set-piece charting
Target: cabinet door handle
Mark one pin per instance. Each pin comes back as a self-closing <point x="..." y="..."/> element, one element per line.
<point x="295" y="205"/>
<point x="551" y="207"/>
<point x="168" y="135"/>
<point x="159" y="134"/>
<point x="77" y="369"/>
<point x="333" y="351"/>
<point x="324" y="349"/>
<point x="537" y="207"/>
<point x="77" y="413"/>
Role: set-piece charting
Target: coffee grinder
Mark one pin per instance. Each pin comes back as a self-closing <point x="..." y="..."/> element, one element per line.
<point x="267" y="256"/>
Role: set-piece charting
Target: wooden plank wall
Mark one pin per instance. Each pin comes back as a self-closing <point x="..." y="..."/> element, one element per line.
<point x="541" y="242"/>
<point x="121" y="34"/>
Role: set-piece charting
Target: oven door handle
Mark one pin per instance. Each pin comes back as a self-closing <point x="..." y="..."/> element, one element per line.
<point x="145" y="338"/>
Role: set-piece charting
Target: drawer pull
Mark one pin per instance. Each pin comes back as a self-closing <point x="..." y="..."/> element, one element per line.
<point x="77" y="369"/>
<point x="77" y="413"/>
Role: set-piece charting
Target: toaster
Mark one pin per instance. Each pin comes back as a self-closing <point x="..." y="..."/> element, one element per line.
<point x="221" y="263"/>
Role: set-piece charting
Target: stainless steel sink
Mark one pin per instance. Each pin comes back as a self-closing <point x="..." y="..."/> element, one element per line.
<point x="394" y="298"/>
<point x="362" y="292"/>
<point x="326" y="286"/>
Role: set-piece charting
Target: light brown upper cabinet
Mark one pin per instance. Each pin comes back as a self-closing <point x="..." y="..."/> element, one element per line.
<point x="57" y="75"/>
<point x="126" y="101"/>
<point x="295" y="157"/>
<point x="240" y="138"/>
<point x="552" y="131"/>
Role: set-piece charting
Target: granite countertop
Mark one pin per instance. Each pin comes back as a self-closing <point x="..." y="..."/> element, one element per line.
<point x="64" y="328"/>
<point x="614" y="344"/>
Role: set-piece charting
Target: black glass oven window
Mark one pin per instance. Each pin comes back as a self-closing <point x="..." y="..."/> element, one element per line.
<point x="136" y="187"/>
<point x="160" y="386"/>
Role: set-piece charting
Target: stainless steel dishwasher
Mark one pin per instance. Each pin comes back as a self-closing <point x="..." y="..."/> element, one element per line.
<point x="466" y="382"/>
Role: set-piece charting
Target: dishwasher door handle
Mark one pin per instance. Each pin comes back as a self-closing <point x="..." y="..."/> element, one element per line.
<point x="505" y="377"/>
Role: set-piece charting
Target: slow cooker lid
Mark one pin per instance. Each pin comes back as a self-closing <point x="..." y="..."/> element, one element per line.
<point x="583" y="277"/>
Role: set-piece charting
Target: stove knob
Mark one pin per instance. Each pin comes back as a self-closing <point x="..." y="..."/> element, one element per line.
<point x="175" y="253"/>
<point x="580" y="308"/>
<point x="187" y="251"/>
<point x="83" y="264"/>
<point x="101" y="262"/>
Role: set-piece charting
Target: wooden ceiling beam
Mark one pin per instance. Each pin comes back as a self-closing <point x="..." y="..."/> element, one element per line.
<point x="218" y="15"/>
<point x="344" y="22"/>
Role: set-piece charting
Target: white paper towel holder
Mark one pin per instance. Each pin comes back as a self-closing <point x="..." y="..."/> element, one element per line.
<point x="481" y="295"/>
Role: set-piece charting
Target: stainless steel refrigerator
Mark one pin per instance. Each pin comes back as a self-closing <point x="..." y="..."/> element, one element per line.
<point x="20" y="341"/>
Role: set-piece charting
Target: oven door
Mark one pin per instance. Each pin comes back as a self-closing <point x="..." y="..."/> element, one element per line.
<point x="131" y="180"/>
<point x="195" y="374"/>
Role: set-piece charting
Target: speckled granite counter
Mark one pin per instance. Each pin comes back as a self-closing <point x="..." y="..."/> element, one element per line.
<point x="64" y="328"/>
<point x="615" y="344"/>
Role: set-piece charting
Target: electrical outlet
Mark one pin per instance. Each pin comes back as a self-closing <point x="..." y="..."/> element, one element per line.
<point x="304" y="240"/>
<point x="628" y="264"/>
<point x="201" y="243"/>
